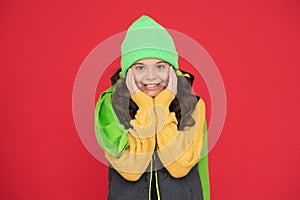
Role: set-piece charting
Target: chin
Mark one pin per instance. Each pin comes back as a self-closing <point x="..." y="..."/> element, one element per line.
<point x="152" y="93"/>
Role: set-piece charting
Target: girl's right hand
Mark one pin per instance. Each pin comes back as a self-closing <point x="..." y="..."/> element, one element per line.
<point x="130" y="83"/>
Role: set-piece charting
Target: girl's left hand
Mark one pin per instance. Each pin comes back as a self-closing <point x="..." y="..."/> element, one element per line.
<point x="172" y="84"/>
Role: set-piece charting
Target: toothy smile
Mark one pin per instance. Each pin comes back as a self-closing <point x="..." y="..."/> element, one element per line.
<point x="151" y="86"/>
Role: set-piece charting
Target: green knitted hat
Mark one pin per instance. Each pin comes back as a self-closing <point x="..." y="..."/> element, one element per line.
<point x="145" y="38"/>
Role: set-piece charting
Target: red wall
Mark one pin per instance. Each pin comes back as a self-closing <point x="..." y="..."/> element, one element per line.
<point x="255" y="45"/>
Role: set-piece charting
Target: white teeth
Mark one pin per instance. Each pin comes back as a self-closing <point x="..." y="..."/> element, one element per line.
<point x="151" y="86"/>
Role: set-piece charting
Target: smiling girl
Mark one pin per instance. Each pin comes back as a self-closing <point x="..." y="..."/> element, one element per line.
<point x="150" y="125"/>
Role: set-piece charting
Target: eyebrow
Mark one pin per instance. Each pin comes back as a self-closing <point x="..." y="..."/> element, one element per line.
<point x="138" y="63"/>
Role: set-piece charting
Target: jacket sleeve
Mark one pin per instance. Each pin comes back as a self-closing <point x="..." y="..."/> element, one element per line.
<point x="129" y="151"/>
<point x="178" y="150"/>
<point x="111" y="135"/>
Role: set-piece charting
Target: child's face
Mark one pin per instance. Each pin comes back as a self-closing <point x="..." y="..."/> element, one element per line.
<point x="151" y="75"/>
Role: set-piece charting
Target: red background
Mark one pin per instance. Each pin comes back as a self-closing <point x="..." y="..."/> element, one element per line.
<point x="255" y="45"/>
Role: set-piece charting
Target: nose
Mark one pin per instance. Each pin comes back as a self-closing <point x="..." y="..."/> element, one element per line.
<point x="151" y="74"/>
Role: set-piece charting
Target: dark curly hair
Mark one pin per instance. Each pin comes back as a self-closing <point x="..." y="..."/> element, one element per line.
<point x="183" y="104"/>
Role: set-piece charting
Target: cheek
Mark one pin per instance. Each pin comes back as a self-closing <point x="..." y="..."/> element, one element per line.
<point x="165" y="77"/>
<point x="138" y="78"/>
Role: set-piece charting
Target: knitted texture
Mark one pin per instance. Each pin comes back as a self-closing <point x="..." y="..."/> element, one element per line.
<point x="145" y="38"/>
